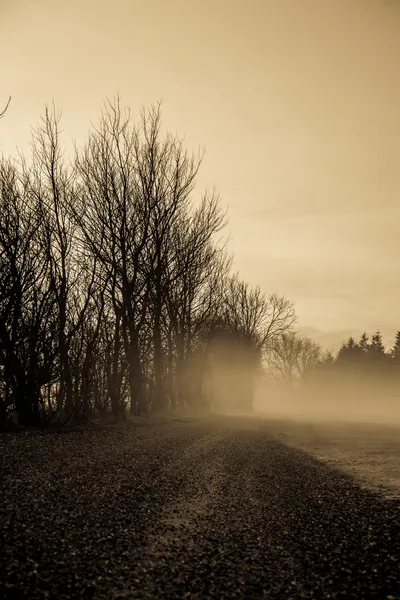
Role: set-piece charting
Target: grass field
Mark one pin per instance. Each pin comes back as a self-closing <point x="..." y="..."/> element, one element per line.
<point x="369" y="452"/>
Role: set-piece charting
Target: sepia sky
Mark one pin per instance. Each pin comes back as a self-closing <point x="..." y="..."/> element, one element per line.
<point x="297" y="103"/>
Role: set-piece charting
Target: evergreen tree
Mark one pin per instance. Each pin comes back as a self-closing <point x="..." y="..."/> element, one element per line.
<point x="364" y="342"/>
<point x="377" y="344"/>
<point x="328" y="359"/>
<point x="349" y="352"/>
<point x="351" y="343"/>
<point x="376" y="350"/>
<point x="377" y="358"/>
<point x="395" y="352"/>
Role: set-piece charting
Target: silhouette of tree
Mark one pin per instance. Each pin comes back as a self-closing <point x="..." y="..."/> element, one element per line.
<point x="294" y="359"/>
<point x="134" y="210"/>
<point x="28" y="323"/>
<point x="377" y="357"/>
<point x="310" y="358"/>
<point x="115" y="288"/>
<point x="377" y="346"/>
<point x="327" y="360"/>
<point x="395" y="352"/>
<point x="197" y="270"/>
<point x="349" y="353"/>
<point x="364" y="342"/>
<point x="248" y="323"/>
<point x="3" y="112"/>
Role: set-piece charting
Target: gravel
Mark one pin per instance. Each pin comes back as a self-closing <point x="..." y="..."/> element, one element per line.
<point x="197" y="509"/>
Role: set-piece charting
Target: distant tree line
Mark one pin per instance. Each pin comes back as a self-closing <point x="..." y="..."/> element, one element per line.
<point x="365" y="366"/>
<point x="116" y="289"/>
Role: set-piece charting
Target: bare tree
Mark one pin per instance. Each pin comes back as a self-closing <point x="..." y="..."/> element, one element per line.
<point x="116" y="288"/>
<point x="114" y="215"/>
<point x="293" y="359"/>
<point x="167" y="175"/>
<point x="247" y="324"/>
<point x="27" y="321"/>
<point x="257" y="317"/>
<point x="134" y="213"/>
<point x="199" y="264"/>
<point x="51" y="184"/>
<point x="72" y="272"/>
<point x="3" y="112"/>
<point x="310" y="357"/>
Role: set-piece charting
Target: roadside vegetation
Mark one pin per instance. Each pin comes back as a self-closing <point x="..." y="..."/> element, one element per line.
<point x="116" y="292"/>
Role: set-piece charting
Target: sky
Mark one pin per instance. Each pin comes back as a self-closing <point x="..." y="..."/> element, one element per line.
<point x="296" y="102"/>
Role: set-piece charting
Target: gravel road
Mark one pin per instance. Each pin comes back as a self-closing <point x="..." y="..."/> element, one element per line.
<point x="187" y="509"/>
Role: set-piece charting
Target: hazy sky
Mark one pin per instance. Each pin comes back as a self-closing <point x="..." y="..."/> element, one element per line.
<point x="297" y="103"/>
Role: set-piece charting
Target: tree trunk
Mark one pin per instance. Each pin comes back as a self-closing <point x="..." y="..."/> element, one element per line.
<point x="27" y="405"/>
<point x="158" y="362"/>
<point x="180" y="373"/>
<point x="113" y="381"/>
<point x="135" y="379"/>
<point x="159" y="395"/>
<point x="65" y="367"/>
<point x="135" y="387"/>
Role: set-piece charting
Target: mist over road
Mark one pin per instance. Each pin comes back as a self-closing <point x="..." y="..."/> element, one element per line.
<point x="188" y="509"/>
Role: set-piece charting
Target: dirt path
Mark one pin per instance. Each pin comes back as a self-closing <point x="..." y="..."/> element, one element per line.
<point x="199" y="509"/>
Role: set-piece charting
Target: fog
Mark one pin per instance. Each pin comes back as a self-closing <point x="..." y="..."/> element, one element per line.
<point x="237" y="383"/>
<point x="380" y="405"/>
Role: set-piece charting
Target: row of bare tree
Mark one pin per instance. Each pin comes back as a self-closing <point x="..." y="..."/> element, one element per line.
<point x="116" y="289"/>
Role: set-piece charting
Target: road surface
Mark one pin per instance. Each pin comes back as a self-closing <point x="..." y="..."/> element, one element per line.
<point x="187" y="509"/>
